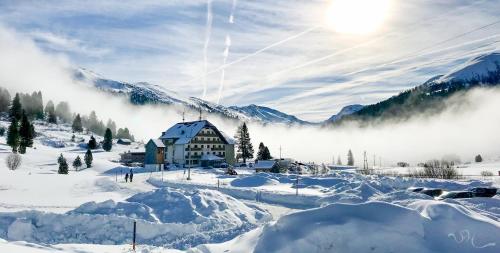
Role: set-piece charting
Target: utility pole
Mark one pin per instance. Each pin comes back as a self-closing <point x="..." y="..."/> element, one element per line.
<point x="280" y="152"/>
<point x="133" y="236"/>
<point x="374" y="163"/>
<point x="297" y="185"/>
<point x="183" y="116"/>
<point x="200" y="114"/>
<point x="365" y="162"/>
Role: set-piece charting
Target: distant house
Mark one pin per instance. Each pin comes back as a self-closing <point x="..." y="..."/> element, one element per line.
<point x="266" y="166"/>
<point x="131" y="158"/>
<point x="190" y="144"/>
<point x="124" y="141"/>
<point x="155" y="154"/>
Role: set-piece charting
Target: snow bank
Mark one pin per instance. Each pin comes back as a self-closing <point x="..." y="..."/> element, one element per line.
<point x="166" y="217"/>
<point x="431" y="226"/>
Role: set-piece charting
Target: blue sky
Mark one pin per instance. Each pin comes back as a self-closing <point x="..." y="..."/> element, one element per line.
<point x="312" y="75"/>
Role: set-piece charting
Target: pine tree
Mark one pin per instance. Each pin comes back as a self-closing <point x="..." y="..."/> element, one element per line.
<point x="77" y="124"/>
<point x="5" y="100"/>
<point x="108" y="140"/>
<point x="13" y="135"/>
<point x="350" y="158"/>
<point x="245" y="148"/>
<point x="77" y="163"/>
<point x="16" y="110"/>
<point x="92" y="143"/>
<point x="339" y="162"/>
<point x="88" y="158"/>
<point x="267" y="154"/>
<point x="25" y="134"/>
<point x="111" y="125"/>
<point x="63" y="165"/>
<point x="260" y="152"/>
<point x="478" y="159"/>
<point x="50" y="112"/>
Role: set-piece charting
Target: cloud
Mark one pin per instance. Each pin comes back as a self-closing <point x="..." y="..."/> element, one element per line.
<point x="60" y="43"/>
<point x="161" y="42"/>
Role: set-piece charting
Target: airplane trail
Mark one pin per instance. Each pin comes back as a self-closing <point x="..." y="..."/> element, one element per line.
<point x="208" y="32"/>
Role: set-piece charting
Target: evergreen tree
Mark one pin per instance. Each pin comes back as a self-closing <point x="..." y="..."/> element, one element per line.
<point x="77" y="163"/>
<point x="13" y="135"/>
<point x="260" y="152"/>
<point x="4" y="100"/>
<point x="16" y="110"/>
<point x="25" y="134"/>
<point x="245" y="148"/>
<point x="124" y="134"/>
<point x="63" y="112"/>
<point x="350" y="158"/>
<point x="63" y="165"/>
<point x="478" y="159"/>
<point x="108" y="140"/>
<point x="112" y="125"/>
<point x="50" y="112"/>
<point x="92" y="143"/>
<point x="339" y="162"/>
<point x="88" y="158"/>
<point x="267" y="154"/>
<point x="77" y="124"/>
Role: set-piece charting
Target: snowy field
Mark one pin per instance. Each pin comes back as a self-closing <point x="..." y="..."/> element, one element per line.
<point x="92" y="210"/>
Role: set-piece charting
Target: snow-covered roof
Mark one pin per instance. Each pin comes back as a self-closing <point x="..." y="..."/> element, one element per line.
<point x="183" y="132"/>
<point x="158" y="143"/>
<point x="210" y="157"/>
<point x="264" y="164"/>
<point x="228" y="138"/>
<point x="124" y="140"/>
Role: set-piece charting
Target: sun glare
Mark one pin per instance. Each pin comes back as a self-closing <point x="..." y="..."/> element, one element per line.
<point x="357" y="16"/>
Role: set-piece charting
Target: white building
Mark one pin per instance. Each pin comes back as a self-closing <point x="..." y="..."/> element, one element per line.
<point x="197" y="143"/>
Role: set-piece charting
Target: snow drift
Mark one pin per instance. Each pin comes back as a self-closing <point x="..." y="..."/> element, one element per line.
<point x="430" y="226"/>
<point x="166" y="217"/>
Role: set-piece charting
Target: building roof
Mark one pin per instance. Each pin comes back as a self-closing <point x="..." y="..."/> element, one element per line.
<point x="264" y="164"/>
<point x="124" y="140"/>
<point x="157" y="142"/>
<point x="183" y="132"/>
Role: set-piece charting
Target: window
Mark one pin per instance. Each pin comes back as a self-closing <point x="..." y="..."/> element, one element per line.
<point x="201" y="146"/>
<point x="214" y="153"/>
<point x="195" y="153"/>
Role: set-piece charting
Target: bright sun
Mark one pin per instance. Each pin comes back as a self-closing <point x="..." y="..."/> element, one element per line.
<point x="357" y="16"/>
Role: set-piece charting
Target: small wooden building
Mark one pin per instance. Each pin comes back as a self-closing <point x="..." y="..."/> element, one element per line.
<point x="155" y="154"/>
<point x="122" y="141"/>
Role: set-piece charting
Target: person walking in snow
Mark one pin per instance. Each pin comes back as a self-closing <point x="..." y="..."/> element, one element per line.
<point x="131" y="175"/>
<point x="126" y="178"/>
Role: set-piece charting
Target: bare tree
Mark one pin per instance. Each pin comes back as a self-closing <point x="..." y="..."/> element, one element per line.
<point x="13" y="161"/>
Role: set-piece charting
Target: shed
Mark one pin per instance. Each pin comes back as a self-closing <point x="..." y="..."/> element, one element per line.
<point x="122" y="141"/>
<point x="265" y="166"/>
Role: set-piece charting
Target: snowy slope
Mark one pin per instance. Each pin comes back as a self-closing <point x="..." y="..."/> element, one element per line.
<point x="347" y="110"/>
<point x="144" y="93"/>
<point x="475" y="68"/>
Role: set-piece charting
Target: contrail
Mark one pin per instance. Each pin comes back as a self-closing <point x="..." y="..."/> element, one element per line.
<point x="226" y="53"/>
<point x="208" y="32"/>
<point x="233" y="8"/>
<point x="223" y="72"/>
<point x="256" y="52"/>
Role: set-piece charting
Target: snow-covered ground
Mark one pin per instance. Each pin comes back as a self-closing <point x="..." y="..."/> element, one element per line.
<point x="92" y="210"/>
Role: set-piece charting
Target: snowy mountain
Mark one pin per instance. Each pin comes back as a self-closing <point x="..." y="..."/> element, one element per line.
<point x="476" y="68"/>
<point x="429" y="98"/>
<point x="347" y="110"/>
<point x="147" y="93"/>
<point x="268" y="114"/>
